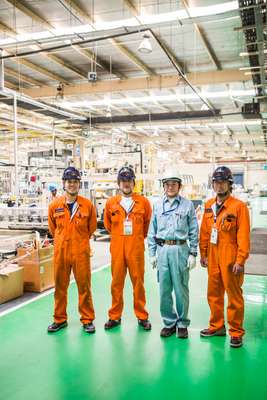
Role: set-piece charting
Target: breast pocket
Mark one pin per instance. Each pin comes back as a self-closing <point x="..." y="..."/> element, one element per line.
<point x="181" y="220"/>
<point x="228" y="223"/>
<point x="81" y="222"/>
<point x="115" y="216"/>
<point x="59" y="218"/>
<point x="139" y="216"/>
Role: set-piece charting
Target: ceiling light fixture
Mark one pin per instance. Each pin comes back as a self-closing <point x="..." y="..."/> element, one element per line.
<point x="145" y="46"/>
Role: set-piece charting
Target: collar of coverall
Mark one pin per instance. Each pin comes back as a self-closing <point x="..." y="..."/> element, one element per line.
<point x="78" y="200"/>
<point x="165" y="199"/>
<point x="226" y="202"/>
<point x="134" y="196"/>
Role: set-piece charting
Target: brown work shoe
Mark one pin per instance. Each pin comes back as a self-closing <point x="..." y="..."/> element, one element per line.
<point x="213" y="332"/>
<point x="111" y="323"/>
<point x="236" y="341"/>
<point x="166" y="332"/>
<point x="145" y="323"/>
<point x="182" y="333"/>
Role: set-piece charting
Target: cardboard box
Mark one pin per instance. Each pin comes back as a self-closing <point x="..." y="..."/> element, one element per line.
<point x="38" y="269"/>
<point x="11" y="282"/>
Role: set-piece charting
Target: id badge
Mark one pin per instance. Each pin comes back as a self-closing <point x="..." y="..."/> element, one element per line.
<point x="214" y="236"/>
<point x="128" y="227"/>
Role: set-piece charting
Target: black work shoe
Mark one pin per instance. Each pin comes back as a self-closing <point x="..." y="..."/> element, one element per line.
<point x="89" y="328"/>
<point x="236" y="341"/>
<point x="182" y="333"/>
<point x="111" y="323"/>
<point x="56" y="327"/>
<point x="166" y="332"/>
<point x="213" y="332"/>
<point x="145" y="323"/>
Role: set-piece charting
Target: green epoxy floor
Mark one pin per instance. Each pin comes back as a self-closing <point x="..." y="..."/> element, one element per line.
<point x="128" y="363"/>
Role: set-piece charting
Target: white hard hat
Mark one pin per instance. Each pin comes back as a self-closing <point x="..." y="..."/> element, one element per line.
<point x="171" y="175"/>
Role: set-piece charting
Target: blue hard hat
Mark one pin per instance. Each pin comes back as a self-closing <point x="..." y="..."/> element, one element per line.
<point x="71" y="173"/>
<point x="52" y="187"/>
<point x="222" y="174"/>
<point x="126" y="174"/>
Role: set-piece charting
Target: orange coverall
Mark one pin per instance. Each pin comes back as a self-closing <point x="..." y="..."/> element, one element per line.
<point x="127" y="252"/>
<point x="232" y="247"/>
<point x="72" y="251"/>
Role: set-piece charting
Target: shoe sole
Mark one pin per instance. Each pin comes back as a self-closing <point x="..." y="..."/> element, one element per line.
<point x="182" y="337"/>
<point x="56" y="330"/>
<point x="236" y="346"/>
<point x="166" y="336"/>
<point x="90" y="332"/>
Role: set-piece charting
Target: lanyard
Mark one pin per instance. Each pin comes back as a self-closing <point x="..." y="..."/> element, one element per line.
<point x="214" y="209"/>
<point x="129" y="209"/>
<point x="74" y="210"/>
<point x="171" y="209"/>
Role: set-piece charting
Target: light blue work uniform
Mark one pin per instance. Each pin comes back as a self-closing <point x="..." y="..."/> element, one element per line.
<point x="173" y="220"/>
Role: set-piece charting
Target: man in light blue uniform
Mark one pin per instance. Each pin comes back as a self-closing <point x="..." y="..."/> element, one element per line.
<point x="172" y="243"/>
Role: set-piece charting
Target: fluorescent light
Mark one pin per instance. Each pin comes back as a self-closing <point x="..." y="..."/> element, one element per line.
<point x="105" y="25"/>
<point x="144" y="20"/>
<point x="162" y="98"/>
<point x="246" y="68"/>
<point x="213" y="10"/>
<point x="251" y="53"/>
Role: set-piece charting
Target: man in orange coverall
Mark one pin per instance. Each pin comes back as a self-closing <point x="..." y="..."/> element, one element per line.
<point x="224" y="248"/>
<point x="127" y="219"/>
<point x="72" y="221"/>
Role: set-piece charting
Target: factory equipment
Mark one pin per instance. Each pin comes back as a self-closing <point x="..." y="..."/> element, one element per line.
<point x="99" y="195"/>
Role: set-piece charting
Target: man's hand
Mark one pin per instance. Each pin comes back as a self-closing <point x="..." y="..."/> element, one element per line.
<point x="191" y="262"/>
<point x="204" y="262"/>
<point x="153" y="261"/>
<point x="238" y="269"/>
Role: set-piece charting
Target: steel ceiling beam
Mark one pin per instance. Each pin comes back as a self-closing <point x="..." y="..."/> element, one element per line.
<point x="128" y="119"/>
<point x="135" y="12"/>
<point x="21" y="77"/>
<point x="134" y="84"/>
<point x="12" y="33"/>
<point x="203" y="38"/>
<point x="27" y="10"/>
<point x="84" y="17"/>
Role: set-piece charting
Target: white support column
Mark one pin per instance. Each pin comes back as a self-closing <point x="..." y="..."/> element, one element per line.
<point x="16" y="182"/>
